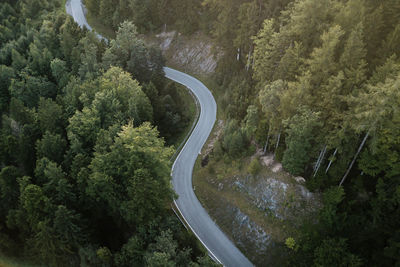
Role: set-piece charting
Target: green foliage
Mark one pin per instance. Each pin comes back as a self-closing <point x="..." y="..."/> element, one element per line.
<point x="237" y="101"/>
<point x="59" y="71"/>
<point x="18" y="61"/>
<point x="254" y="166"/>
<point x="251" y="120"/>
<point x="318" y="72"/>
<point x="290" y="243"/>
<point x="129" y="52"/>
<point x="29" y="89"/>
<point x="129" y="93"/>
<point x="51" y="146"/>
<point x="234" y="140"/>
<point x="270" y="99"/>
<point x="131" y="253"/>
<point x="334" y="252"/>
<point x="301" y="135"/>
<point x="326" y="73"/>
<point x="50" y="116"/>
<point x="8" y="189"/>
<point x="331" y="199"/>
<point x="39" y="58"/>
<point x="70" y="35"/>
<point x="89" y="68"/>
<point x="78" y="155"/>
<point x="6" y="74"/>
<point x="262" y="51"/>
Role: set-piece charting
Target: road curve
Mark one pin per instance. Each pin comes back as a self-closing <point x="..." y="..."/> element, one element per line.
<point x="216" y="242"/>
<point x="76" y="10"/>
<point x="218" y="245"/>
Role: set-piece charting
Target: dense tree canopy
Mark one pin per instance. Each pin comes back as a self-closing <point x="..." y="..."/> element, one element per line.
<point x="317" y="83"/>
<point x="84" y="173"/>
<point x="336" y="72"/>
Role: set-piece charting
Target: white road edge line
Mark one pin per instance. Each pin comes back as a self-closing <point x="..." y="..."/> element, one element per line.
<point x="198" y="109"/>
<point x="172" y="171"/>
<point x="183" y="148"/>
<point x="178" y="216"/>
<point x="209" y="251"/>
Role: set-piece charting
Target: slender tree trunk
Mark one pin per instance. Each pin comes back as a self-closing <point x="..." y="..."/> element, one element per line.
<point x="330" y="161"/>
<point x="320" y="159"/>
<point x="354" y="159"/>
<point x="249" y="59"/>
<point x="277" y="143"/>
<point x="316" y="163"/>
<point x="266" y="143"/>
<point x="238" y="54"/>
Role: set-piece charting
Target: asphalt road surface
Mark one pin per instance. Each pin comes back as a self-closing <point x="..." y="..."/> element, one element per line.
<point x="218" y="245"/>
<point x="75" y="9"/>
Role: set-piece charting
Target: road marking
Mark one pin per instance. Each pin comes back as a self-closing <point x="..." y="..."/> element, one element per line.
<point x="209" y="250"/>
<point x="190" y="78"/>
<point x="173" y="166"/>
<point x="184" y="224"/>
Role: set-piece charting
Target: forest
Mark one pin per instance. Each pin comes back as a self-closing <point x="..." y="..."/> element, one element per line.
<point x="324" y="82"/>
<point x="85" y="145"/>
<point x="315" y="82"/>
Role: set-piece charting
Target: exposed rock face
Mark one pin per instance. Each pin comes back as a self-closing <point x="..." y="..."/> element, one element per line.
<point x="246" y="231"/>
<point x="282" y="205"/>
<point x="283" y="200"/>
<point x="300" y="179"/>
<point x="249" y="236"/>
<point x="194" y="53"/>
<point x="269" y="162"/>
<point x="166" y="39"/>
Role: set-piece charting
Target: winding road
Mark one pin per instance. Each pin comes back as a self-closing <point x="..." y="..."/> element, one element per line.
<point x="217" y="243"/>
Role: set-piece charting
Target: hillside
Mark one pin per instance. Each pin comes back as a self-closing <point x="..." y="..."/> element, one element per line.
<point x="302" y="169"/>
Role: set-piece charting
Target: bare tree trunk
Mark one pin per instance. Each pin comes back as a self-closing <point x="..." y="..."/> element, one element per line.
<point x="265" y="147"/>
<point x="320" y="159"/>
<point x="249" y="59"/>
<point x="238" y="54"/>
<point x="316" y="163"/>
<point x="277" y="143"/>
<point x="266" y="143"/>
<point x="354" y="159"/>
<point x="330" y="161"/>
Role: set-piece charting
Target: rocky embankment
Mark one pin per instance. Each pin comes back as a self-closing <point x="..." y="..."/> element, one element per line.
<point x="195" y="53"/>
<point x="260" y="211"/>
